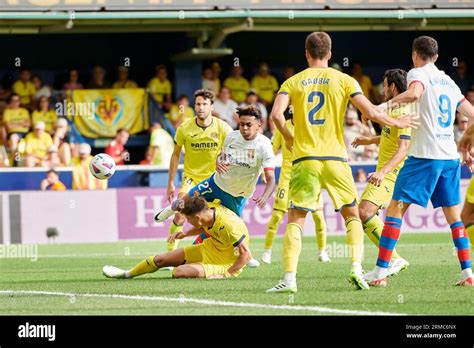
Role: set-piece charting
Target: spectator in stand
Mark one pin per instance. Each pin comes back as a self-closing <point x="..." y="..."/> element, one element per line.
<point x="225" y="108"/>
<point x="122" y="79"/>
<point x="73" y="82"/>
<point x="52" y="158"/>
<point x="37" y="143"/>
<point x="25" y="88"/>
<point x="361" y="175"/>
<point x="252" y="99"/>
<point x="180" y="112"/>
<point x="209" y="80"/>
<point x="82" y="178"/>
<point x="288" y="71"/>
<point x="160" y="88"/>
<point x="43" y="112"/>
<point x="147" y="159"/>
<point x="116" y="148"/>
<point x="16" y="121"/>
<point x="52" y="182"/>
<point x="41" y="90"/>
<point x="370" y="153"/>
<point x="265" y="84"/>
<point x="461" y="77"/>
<point x="470" y="96"/>
<point x="161" y="146"/>
<point x="237" y="84"/>
<point x="460" y="127"/>
<point x="62" y="142"/>
<point x="364" y="81"/>
<point x="4" y="158"/>
<point x="216" y="70"/>
<point x="354" y="128"/>
<point x="98" y="80"/>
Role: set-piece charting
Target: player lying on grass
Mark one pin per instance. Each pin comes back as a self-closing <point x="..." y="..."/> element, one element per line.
<point x="280" y="206"/>
<point x="245" y="154"/>
<point x="433" y="169"/>
<point x="393" y="147"/>
<point x="222" y="255"/>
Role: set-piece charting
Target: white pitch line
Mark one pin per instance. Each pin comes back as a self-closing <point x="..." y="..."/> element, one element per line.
<point x="316" y="309"/>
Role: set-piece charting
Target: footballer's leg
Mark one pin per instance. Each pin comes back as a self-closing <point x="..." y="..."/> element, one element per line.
<point x="279" y="210"/>
<point x="467" y="214"/>
<point x="447" y="194"/>
<point x="373" y="226"/>
<point x="291" y="251"/>
<point x="321" y="231"/>
<point x="148" y="265"/>
<point x="193" y="270"/>
<point x="304" y="186"/>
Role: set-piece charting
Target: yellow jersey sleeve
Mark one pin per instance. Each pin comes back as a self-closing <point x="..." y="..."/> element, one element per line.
<point x="179" y="136"/>
<point x="351" y="86"/>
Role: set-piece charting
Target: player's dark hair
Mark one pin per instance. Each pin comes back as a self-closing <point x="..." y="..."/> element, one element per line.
<point x="318" y="44"/>
<point x="425" y="46"/>
<point x="120" y="130"/>
<point x="206" y="94"/>
<point x="194" y="205"/>
<point x="250" y="110"/>
<point x="398" y="77"/>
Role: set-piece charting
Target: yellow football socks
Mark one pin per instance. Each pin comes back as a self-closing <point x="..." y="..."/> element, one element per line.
<point x="173" y="229"/>
<point x="292" y="247"/>
<point x="470" y="232"/>
<point x="145" y="266"/>
<point x="355" y="239"/>
<point x="320" y="226"/>
<point x="275" y="220"/>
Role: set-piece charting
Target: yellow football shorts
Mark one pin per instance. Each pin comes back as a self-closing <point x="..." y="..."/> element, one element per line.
<point x="380" y="196"/>
<point x="282" y="199"/>
<point x="470" y="191"/>
<point x="308" y="177"/>
<point x="212" y="260"/>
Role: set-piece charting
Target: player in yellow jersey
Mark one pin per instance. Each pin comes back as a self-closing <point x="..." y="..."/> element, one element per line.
<point x="393" y="150"/>
<point x="222" y="255"/>
<point x="319" y="96"/>
<point x="202" y="138"/>
<point x="280" y="206"/>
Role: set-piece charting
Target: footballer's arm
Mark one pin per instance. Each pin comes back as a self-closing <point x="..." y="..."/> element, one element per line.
<point x="269" y="187"/>
<point x="412" y="94"/>
<point x="243" y="258"/>
<point x="180" y="235"/>
<point x="174" y="162"/>
<point x="371" y="112"/>
<point x="377" y="177"/>
<point x="277" y="115"/>
<point x="467" y="140"/>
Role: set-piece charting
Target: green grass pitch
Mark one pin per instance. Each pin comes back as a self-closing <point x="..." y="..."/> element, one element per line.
<point x="65" y="273"/>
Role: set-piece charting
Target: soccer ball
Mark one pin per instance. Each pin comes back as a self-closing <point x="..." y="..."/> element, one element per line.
<point x="102" y="166"/>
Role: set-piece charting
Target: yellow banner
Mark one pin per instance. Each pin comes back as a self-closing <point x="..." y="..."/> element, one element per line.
<point x="100" y="112"/>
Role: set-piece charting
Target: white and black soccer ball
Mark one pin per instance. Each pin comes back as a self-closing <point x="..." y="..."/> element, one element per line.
<point x="102" y="166"/>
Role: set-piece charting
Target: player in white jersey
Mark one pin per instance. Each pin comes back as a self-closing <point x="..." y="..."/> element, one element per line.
<point x="432" y="170"/>
<point x="245" y="154"/>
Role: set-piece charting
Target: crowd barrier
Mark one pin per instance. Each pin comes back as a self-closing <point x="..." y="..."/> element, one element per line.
<point x="127" y="214"/>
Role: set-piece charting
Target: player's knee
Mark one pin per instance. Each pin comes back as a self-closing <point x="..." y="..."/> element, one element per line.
<point x="184" y="272"/>
<point x="160" y="261"/>
<point x="364" y="212"/>
<point x="467" y="216"/>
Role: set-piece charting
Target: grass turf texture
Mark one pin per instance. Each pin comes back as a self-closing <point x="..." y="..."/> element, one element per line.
<point x="426" y="287"/>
